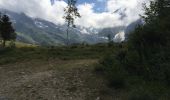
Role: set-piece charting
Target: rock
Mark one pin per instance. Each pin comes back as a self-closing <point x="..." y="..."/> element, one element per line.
<point x="4" y="98"/>
<point x="29" y="86"/>
<point x="86" y="65"/>
<point x="22" y="73"/>
<point x="98" y="98"/>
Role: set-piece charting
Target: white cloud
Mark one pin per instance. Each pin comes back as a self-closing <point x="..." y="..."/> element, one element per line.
<point x="90" y="18"/>
<point x="97" y="20"/>
<point x="133" y="8"/>
<point x="37" y="9"/>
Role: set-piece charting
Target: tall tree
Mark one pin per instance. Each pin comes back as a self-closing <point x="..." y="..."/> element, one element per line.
<point x="0" y="25"/>
<point x="71" y="12"/>
<point x="7" y="31"/>
<point x="158" y="10"/>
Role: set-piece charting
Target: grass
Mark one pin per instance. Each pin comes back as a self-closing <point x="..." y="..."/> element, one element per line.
<point x="24" y="52"/>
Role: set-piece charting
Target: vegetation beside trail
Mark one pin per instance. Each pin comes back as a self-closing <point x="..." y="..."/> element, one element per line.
<point x="142" y="65"/>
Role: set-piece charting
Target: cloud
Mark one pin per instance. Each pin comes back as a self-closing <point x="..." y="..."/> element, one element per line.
<point x="132" y="8"/>
<point x="90" y="18"/>
<point x="97" y="20"/>
<point x="37" y="9"/>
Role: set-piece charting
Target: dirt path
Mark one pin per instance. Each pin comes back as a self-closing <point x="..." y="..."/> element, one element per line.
<point x="51" y="80"/>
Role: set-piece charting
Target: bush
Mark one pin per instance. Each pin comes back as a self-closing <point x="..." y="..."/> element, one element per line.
<point x="117" y="81"/>
<point x="113" y="70"/>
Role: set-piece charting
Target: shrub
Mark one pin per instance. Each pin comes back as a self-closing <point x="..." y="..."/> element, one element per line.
<point x="114" y="71"/>
<point x="141" y="95"/>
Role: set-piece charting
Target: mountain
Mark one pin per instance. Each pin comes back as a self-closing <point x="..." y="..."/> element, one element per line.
<point x="42" y="32"/>
<point x="111" y="31"/>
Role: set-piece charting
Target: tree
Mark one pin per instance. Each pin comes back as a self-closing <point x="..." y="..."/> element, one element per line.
<point x="155" y="31"/>
<point x="158" y="10"/>
<point x="71" y="12"/>
<point x="0" y="32"/>
<point x="7" y="31"/>
<point x="148" y="46"/>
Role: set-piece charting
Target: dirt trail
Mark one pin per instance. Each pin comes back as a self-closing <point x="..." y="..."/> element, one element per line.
<point x="51" y="80"/>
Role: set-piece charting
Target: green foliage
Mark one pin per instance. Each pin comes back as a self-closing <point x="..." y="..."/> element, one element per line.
<point x="158" y="10"/>
<point x="71" y="12"/>
<point x="146" y="58"/>
<point x="7" y="31"/>
<point x="112" y="67"/>
<point x="148" y="54"/>
<point x="24" y="52"/>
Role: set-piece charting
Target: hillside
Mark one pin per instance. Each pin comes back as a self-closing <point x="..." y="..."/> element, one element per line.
<point x="42" y="32"/>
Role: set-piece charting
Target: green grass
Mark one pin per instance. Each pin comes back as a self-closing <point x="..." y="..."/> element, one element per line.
<point x="27" y="51"/>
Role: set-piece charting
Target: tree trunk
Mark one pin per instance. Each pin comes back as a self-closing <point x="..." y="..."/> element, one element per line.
<point x="67" y="37"/>
<point x="4" y="43"/>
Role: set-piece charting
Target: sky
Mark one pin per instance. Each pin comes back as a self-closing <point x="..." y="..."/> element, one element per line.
<point x="94" y="13"/>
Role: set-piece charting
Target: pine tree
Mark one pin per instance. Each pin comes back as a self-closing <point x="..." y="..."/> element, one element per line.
<point x="71" y="12"/>
<point x="7" y="31"/>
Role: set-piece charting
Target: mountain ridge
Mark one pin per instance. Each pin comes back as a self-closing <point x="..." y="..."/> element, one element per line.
<point x="41" y="32"/>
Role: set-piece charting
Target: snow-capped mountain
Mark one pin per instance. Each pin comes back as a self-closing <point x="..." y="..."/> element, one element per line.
<point x="42" y="32"/>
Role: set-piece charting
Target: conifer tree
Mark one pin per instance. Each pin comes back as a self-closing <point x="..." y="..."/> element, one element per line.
<point x="7" y="31"/>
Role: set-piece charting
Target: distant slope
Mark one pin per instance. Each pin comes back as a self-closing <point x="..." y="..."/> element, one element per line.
<point x="41" y="32"/>
<point x="18" y="44"/>
<point x="111" y="31"/>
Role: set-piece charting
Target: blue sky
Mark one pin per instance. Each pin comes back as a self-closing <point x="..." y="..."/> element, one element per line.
<point x="99" y="5"/>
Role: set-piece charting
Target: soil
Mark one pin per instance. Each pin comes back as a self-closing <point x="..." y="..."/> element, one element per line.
<point x="52" y="80"/>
